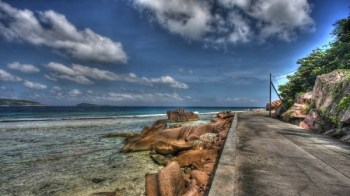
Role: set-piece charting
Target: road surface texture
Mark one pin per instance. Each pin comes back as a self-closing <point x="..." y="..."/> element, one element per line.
<point x="277" y="158"/>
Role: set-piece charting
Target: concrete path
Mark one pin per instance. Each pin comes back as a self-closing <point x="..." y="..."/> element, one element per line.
<point x="276" y="158"/>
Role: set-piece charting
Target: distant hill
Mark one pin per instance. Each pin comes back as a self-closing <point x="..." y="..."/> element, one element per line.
<point x="90" y="105"/>
<point x="19" y="102"/>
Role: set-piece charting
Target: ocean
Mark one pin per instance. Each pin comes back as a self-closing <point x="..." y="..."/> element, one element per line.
<point x="51" y="150"/>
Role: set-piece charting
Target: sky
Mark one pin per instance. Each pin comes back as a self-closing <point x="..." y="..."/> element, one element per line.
<point x="157" y="52"/>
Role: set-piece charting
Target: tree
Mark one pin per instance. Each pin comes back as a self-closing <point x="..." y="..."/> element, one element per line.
<point x="334" y="56"/>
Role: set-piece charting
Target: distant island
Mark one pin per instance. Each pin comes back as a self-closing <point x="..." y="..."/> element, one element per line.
<point x="19" y="102"/>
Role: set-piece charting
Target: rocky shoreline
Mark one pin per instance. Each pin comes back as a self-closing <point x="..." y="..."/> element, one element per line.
<point x="189" y="154"/>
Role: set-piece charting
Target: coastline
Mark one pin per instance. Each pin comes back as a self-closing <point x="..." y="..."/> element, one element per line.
<point x="64" y="157"/>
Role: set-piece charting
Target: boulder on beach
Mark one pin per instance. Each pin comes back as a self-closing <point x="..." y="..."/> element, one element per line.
<point x="180" y="115"/>
<point x="193" y="148"/>
<point x="196" y="158"/>
<point x="157" y="126"/>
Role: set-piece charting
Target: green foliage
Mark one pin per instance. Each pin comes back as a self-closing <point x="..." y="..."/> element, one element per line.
<point x="343" y="104"/>
<point x="324" y="111"/>
<point x="334" y="120"/>
<point x="305" y="108"/>
<point x="334" y="56"/>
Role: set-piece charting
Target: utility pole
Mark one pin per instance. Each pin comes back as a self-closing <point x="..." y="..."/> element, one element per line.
<point x="270" y="97"/>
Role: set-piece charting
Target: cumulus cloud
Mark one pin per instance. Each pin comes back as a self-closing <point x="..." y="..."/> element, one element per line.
<point x="189" y="18"/>
<point x="53" y="30"/>
<point x="118" y="97"/>
<point x="34" y="85"/>
<point x="88" y="75"/>
<point x="112" y="96"/>
<point x="230" y="21"/>
<point x="166" y="80"/>
<point x="25" y="68"/>
<point x="6" y="76"/>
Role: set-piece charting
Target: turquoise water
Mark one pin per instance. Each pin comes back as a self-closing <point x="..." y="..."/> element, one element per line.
<point x="62" y="151"/>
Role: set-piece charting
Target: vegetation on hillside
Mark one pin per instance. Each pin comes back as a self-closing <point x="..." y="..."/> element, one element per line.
<point x="336" y="55"/>
<point x="17" y="102"/>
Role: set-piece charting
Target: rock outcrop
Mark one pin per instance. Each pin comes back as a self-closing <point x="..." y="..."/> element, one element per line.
<point x="331" y="94"/>
<point x="327" y="108"/>
<point x="180" y="115"/>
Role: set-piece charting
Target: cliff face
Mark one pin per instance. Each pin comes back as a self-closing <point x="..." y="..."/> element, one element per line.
<point x="331" y="94"/>
<point x="327" y="108"/>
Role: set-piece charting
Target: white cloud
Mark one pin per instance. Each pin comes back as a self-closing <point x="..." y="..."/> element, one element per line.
<point x="87" y="75"/>
<point x="25" y="68"/>
<point x="140" y="97"/>
<point x="120" y="97"/>
<point x="282" y="18"/>
<point x="167" y="80"/>
<point x="53" y="30"/>
<point x="74" y="93"/>
<point x="6" y="76"/>
<point x="230" y="21"/>
<point x="190" y="18"/>
<point x="34" y="85"/>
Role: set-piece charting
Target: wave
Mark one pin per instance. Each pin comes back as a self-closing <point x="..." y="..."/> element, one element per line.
<point x="79" y="118"/>
<point x="96" y="117"/>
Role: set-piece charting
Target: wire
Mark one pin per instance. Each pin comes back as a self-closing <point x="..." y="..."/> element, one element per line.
<point x="279" y="75"/>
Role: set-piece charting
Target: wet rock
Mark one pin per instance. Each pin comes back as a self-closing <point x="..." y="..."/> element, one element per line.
<point x="97" y="180"/>
<point x="121" y="134"/>
<point x="170" y="147"/>
<point x="180" y="115"/>
<point x="170" y="180"/>
<point x="159" y="159"/>
<point x="175" y="126"/>
<point x="158" y="125"/>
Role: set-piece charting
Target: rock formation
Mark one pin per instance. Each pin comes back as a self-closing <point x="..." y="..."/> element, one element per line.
<point x="180" y="115"/>
<point x="327" y="108"/>
<point x="195" y="149"/>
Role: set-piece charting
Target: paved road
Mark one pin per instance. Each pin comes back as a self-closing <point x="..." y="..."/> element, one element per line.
<point x="276" y="158"/>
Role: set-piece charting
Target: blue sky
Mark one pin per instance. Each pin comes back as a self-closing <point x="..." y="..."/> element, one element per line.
<point x="156" y="52"/>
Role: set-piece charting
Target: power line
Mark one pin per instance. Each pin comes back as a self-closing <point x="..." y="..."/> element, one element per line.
<point x="279" y="75"/>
